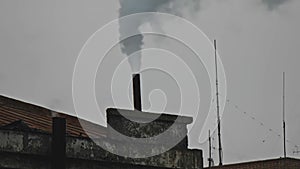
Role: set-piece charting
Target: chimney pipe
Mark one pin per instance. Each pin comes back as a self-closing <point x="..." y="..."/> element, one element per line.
<point x="136" y="84"/>
<point x="58" y="143"/>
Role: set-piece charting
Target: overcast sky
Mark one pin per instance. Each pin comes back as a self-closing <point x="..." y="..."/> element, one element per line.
<point x="257" y="40"/>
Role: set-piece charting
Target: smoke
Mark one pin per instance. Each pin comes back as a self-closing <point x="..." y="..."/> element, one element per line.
<point x="273" y="4"/>
<point x="135" y="43"/>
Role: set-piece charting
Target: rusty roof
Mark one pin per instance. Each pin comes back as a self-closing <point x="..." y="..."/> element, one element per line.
<point x="40" y="118"/>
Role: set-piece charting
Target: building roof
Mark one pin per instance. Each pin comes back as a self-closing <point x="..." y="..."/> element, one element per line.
<point x="280" y="163"/>
<point x="15" y="114"/>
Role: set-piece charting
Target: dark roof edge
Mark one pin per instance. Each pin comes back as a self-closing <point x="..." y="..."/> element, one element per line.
<point x="149" y="115"/>
<point x="258" y="161"/>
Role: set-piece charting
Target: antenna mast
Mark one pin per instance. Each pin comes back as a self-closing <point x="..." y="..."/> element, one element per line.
<point x="283" y="114"/>
<point x="210" y="160"/>
<point x="218" y="107"/>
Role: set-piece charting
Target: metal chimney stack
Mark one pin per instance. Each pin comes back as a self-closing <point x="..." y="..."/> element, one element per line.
<point x="58" y="143"/>
<point x="136" y="84"/>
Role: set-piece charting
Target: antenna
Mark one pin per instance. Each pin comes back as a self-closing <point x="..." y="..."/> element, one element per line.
<point x="218" y="107"/>
<point x="283" y="114"/>
<point x="210" y="160"/>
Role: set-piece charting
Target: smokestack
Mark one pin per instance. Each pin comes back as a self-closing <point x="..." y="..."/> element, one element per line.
<point x="58" y="143"/>
<point x="136" y="84"/>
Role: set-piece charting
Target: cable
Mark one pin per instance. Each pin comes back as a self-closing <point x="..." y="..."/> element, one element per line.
<point x="268" y="129"/>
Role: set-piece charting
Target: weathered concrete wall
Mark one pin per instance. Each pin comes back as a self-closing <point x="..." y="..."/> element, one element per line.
<point x="23" y="142"/>
<point x="148" y="125"/>
<point x="23" y="161"/>
<point x="32" y="150"/>
<point x="85" y="149"/>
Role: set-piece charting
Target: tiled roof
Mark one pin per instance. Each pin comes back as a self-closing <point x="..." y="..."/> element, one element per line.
<point x="280" y="163"/>
<point x="40" y="119"/>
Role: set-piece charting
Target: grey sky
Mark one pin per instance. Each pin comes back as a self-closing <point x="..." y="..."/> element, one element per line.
<point x="273" y="4"/>
<point x="40" y="41"/>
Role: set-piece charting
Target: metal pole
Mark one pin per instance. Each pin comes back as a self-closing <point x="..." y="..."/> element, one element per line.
<point x="218" y="107"/>
<point x="283" y="115"/>
<point x="209" y="142"/>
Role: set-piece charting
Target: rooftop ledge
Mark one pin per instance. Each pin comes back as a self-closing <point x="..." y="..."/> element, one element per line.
<point x="140" y="116"/>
